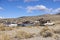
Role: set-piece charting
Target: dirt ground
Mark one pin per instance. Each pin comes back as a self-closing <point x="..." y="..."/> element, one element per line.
<point x="32" y="31"/>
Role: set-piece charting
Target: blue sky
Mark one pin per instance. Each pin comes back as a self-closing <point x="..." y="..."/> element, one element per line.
<point x="18" y="8"/>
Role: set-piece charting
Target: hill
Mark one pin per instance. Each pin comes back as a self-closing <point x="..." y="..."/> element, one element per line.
<point x="53" y="17"/>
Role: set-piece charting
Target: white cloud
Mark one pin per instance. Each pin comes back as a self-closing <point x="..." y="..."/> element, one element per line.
<point x="23" y="0"/>
<point x="1" y="8"/>
<point x="56" y="0"/>
<point x="30" y="0"/>
<point x="38" y="7"/>
<point x="12" y="0"/>
<point x="1" y="17"/>
<point x="57" y="10"/>
<point x="19" y="7"/>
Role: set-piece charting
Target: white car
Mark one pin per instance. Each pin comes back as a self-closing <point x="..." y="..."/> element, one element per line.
<point x="49" y="24"/>
<point x="12" y="25"/>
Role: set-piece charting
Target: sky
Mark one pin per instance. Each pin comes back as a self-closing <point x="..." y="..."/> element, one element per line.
<point x="19" y="8"/>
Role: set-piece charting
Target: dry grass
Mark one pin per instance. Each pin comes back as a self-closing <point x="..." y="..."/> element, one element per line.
<point x="6" y="28"/>
<point x="20" y="34"/>
<point x="28" y="32"/>
<point x="4" y="36"/>
<point x="46" y="32"/>
<point x="57" y="29"/>
<point x="23" y="34"/>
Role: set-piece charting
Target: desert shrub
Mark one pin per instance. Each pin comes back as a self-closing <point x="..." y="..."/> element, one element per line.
<point x="5" y="28"/>
<point x="23" y="34"/>
<point x="56" y="36"/>
<point x="57" y="29"/>
<point x="2" y="28"/>
<point x="9" y="28"/>
<point x="46" y="32"/>
<point x="29" y="26"/>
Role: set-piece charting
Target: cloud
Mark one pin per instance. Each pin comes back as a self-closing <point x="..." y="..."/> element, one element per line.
<point x="41" y="8"/>
<point x="1" y="17"/>
<point x="12" y="0"/>
<point x="57" y="10"/>
<point x="1" y="8"/>
<point x="56" y="0"/>
<point x="38" y="7"/>
<point x="30" y="0"/>
<point x="20" y="7"/>
<point x="23" y="0"/>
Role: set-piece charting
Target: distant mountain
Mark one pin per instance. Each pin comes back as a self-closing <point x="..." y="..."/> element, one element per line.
<point x="53" y="17"/>
<point x="58" y="14"/>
